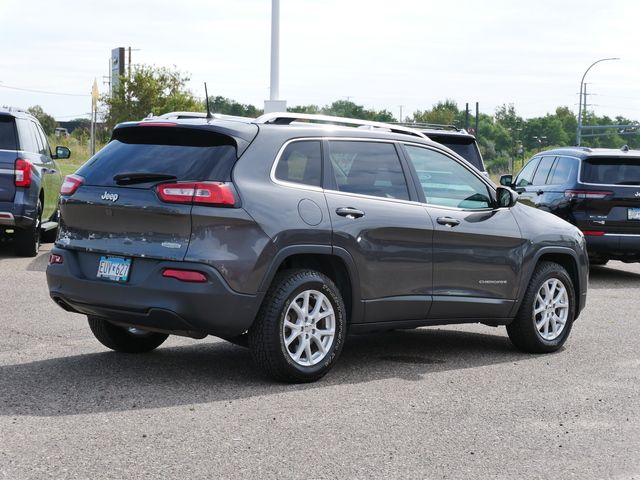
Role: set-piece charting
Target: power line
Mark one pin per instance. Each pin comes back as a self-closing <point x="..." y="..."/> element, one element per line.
<point x="44" y="91"/>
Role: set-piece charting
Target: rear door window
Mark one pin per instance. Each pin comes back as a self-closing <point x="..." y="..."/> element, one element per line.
<point x="27" y="136"/>
<point x="7" y="133"/>
<point x="186" y="154"/>
<point x="563" y="171"/>
<point x="368" y="168"/>
<point x="301" y="162"/>
<point x="611" y="171"/>
<point x="542" y="173"/>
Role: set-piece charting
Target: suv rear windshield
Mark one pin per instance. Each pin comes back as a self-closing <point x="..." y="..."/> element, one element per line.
<point x="7" y="133"/>
<point x="463" y="146"/>
<point x="611" y="171"/>
<point x="186" y="154"/>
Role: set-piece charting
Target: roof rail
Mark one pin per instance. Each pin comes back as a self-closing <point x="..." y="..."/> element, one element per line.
<point x="434" y="126"/>
<point x="286" y="118"/>
<point x="15" y="109"/>
<point x="188" y="115"/>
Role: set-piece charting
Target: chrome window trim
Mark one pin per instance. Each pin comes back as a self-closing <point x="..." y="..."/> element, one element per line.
<point x="302" y="186"/>
<point x="621" y="235"/>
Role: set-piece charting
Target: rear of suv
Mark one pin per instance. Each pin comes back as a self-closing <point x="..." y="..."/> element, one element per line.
<point x="29" y="181"/>
<point x="456" y="139"/>
<point x="598" y="190"/>
<point x="284" y="233"/>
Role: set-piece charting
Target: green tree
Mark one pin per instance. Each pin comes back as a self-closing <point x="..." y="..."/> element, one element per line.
<point x="443" y="113"/>
<point x="146" y="90"/>
<point x="48" y="123"/>
<point x="226" y="106"/>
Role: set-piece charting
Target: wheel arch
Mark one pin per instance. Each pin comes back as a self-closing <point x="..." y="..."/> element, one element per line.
<point x="335" y="263"/>
<point x="567" y="258"/>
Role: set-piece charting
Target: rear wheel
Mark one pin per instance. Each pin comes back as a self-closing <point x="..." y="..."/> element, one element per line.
<point x="300" y="328"/>
<point x="546" y="315"/>
<point x="27" y="240"/>
<point x="121" y="339"/>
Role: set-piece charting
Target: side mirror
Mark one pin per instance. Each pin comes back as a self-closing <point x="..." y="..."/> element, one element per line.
<point x="506" y="198"/>
<point x="62" y="152"/>
<point x="506" y="180"/>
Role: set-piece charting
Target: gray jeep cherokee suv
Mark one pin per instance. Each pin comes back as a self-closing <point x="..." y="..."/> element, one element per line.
<point x="288" y="231"/>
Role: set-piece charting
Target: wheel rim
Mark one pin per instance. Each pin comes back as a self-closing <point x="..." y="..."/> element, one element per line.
<point x="309" y="328"/>
<point x="551" y="309"/>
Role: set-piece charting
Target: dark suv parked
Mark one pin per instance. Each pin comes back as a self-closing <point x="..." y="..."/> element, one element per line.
<point x="284" y="233"/>
<point x="598" y="190"/>
<point x="456" y="139"/>
<point x="29" y="181"/>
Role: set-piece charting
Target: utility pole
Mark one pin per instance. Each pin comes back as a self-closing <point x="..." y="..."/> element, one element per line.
<point x="477" y="120"/>
<point x="274" y="104"/>
<point x="466" y="116"/>
<point x="400" y="119"/>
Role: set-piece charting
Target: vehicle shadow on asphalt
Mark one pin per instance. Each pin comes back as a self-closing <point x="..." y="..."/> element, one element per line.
<point x="611" y="277"/>
<point x="218" y="371"/>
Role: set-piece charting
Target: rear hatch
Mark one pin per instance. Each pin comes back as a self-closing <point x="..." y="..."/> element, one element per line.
<point x="611" y="199"/>
<point x="465" y="146"/>
<point x="118" y="207"/>
<point x="8" y="155"/>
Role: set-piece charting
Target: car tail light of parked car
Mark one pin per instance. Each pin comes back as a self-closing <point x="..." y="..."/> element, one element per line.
<point x="185" y="275"/>
<point x="23" y="173"/>
<point x="210" y="193"/>
<point x="586" y="194"/>
<point x="71" y="184"/>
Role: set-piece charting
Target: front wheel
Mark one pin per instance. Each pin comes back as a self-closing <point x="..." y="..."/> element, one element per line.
<point x="121" y="339"/>
<point x="547" y="312"/>
<point x="300" y="329"/>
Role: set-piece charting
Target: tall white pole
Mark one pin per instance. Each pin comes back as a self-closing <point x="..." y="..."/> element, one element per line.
<point x="275" y="50"/>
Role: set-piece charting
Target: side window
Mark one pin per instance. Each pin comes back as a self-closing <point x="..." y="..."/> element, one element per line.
<point x="45" y="144"/>
<point x="26" y="137"/>
<point x="36" y="134"/>
<point x="301" y="162"/>
<point x="368" y="168"/>
<point x="565" y="169"/>
<point x="525" y="176"/>
<point x="542" y="173"/>
<point x="447" y="183"/>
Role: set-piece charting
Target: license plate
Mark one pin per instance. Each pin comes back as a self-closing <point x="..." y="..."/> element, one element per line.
<point x="633" y="214"/>
<point x="115" y="269"/>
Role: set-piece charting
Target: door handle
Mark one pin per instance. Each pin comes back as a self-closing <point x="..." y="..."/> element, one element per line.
<point x="49" y="170"/>
<point x="540" y="192"/>
<point x="448" y="221"/>
<point x="349" y="212"/>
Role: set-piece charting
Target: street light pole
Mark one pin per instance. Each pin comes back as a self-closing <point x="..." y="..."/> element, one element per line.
<point x="274" y="104"/>
<point x="579" y="129"/>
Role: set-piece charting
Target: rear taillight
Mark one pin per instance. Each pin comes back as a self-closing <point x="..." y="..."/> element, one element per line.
<point x="185" y="275"/>
<point x="586" y="194"/>
<point x="23" y="173"/>
<point x="71" y="184"/>
<point x="592" y="233"/>
<point x="208" y="193"/>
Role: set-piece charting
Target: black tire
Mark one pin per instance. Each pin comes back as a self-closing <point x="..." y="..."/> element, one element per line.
<point x="267" y="337"/>
<point x="523" y="331"/>
<point x="240" y="340"/>
<point x="121" y="339"/>
<point x="27" y="240"/>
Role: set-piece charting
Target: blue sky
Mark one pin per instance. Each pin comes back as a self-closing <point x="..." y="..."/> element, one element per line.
<point x="377" y="53"/>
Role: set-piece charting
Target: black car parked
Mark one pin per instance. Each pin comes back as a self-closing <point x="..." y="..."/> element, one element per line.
<point x="454" y="138"/>
<point x="598" y="190"/>
<point x="285" y="234"/>
<point x="29" y="181"/>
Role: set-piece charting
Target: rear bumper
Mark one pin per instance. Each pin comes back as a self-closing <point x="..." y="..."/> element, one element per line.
<point x="149" y="300"/>
<point x="625" y="247"/>
<point x="13" y="215"/>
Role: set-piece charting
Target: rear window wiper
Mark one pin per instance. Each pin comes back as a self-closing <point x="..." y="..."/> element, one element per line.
<point x="141" y="177"/>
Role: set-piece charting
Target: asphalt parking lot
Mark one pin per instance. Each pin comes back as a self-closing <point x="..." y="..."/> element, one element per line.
<point x="451" y="402"/>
